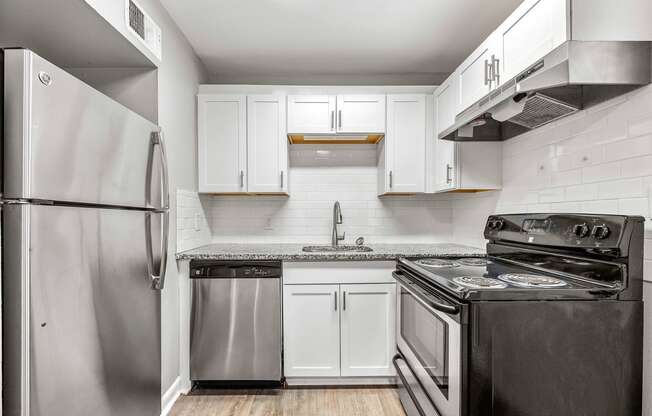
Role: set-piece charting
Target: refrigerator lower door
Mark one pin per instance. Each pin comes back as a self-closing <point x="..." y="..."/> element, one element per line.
<point x="82" y="321"/>
<point x="65" y="141"/>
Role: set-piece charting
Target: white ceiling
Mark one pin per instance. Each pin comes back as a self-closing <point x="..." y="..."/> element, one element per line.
<point x="335" y="41"/>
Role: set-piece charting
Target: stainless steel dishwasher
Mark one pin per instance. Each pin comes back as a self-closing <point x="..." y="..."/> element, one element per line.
<point x="235" y="329"/>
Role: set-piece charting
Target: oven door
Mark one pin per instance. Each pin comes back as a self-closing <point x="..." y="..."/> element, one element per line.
<point x="429" y="336"/>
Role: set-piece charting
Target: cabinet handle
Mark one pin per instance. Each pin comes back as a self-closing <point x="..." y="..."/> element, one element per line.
<point x="241" y="179"/>
<point x="449" y="168"/>
<point x="487" y="70"/>
<point x="391" y="179"/>
<point x="335" y="299"/>
<point x="495" y="68"/>
<point x="344" y="300"/>
<point x="339" y="118"/>
<point x="333" y="120"/>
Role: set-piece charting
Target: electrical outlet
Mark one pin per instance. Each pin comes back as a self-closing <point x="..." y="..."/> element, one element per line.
<point x="268" y="224"/>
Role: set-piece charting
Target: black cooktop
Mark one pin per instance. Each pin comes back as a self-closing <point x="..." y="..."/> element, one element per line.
<point x="495" y="279"/>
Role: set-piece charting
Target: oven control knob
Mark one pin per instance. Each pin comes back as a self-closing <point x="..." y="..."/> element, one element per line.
<point x="600" y="232"/>
<point x="581" y="230"/>
<point x="495" y="224"/>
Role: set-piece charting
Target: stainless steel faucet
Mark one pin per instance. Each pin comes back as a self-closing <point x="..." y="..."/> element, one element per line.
<point x="337" y="219"/>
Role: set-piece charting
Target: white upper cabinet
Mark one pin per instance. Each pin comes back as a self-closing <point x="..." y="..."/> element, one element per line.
<point x="402" y="154"/>
<point x="267" y="144"/>
<point x="534" y="29"/>
<point x="311" y="330"/>
<point x="444" y="166"/>
<point x="475" y="76"/>
<point x="331" y="114"/>
<point x="222" y="147"/>
<point x="447" y="98"/>
<point x="360" y="113"/>
<point x="368" y="326"/>
<point x="311" y="114"/>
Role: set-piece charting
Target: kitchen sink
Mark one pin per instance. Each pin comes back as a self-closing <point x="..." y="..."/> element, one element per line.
<point x="317" y="249"/>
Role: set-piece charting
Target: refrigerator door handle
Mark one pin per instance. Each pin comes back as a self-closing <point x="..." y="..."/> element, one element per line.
<point x="157" y="279"/>
<point x="156" y="139"/>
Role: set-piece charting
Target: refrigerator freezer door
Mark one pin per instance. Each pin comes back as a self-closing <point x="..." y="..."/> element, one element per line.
<point x="81" y="313"/>
<point x="65" y="141"/>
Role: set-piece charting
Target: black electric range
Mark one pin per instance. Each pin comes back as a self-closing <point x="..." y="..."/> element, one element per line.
<point x="550" y="322"/>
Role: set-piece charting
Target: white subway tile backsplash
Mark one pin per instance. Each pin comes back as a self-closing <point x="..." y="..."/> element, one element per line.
<point x="319" y="176"/>
<point x="601" y="172"/>
<point x="596" y="161"/>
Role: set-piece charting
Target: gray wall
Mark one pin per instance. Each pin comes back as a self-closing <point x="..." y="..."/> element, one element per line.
<point x="179" y="74"/>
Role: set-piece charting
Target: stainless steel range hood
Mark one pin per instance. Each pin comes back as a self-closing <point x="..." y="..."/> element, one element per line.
<point x="574" y="76"/>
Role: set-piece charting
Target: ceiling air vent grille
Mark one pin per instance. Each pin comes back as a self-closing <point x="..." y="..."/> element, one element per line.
<point x="136" y="19"/>
<point x="145" y="29"/>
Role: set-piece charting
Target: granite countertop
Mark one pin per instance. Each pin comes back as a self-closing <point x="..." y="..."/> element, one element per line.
<point x="293" y="252"/>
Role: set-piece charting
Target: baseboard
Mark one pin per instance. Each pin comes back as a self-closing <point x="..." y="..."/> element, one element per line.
<point x="170" y="396"/>
<point x="340" y="381"/>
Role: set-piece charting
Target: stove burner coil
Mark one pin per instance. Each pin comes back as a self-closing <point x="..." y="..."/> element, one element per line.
<point x="473" y="261"/>
<point x="437" y="263"/>
<point x="531" y="280"/>
<point x="479" y="282"/>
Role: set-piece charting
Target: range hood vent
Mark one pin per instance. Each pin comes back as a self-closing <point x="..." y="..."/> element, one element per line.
<point x="539" y="109"/>
<point x="575" y="76"/>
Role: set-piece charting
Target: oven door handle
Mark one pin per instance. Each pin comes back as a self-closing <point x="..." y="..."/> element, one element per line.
<point x="428" y="299"/>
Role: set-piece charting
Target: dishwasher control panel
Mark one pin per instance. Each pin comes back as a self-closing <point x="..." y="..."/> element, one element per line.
<point x="205" y="269"/>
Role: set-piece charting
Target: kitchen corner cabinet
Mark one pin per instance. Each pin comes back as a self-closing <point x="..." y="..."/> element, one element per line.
<point x="242" y="144"/>
<point x="333" y="114"/>
<point x="401" y="154"/>
<point x="467" y="167"/>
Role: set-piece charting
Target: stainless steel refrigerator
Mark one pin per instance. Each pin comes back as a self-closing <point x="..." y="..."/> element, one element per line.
<point x="84" y="235"/>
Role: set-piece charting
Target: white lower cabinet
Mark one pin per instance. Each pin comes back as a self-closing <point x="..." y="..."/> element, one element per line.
<point x="339" y="330"/>
<point x="367" y="329"/>
<point x="311" y="330"/>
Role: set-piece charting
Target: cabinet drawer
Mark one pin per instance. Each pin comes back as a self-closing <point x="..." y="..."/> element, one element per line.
<point x="338" y="272"/>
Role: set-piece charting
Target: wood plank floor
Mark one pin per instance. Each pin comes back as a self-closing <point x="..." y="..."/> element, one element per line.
<point x="291" y="402"/>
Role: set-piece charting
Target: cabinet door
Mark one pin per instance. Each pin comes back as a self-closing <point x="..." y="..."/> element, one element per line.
<point x="475" y="75"/>
<point x="445" y="166"/>
<point x="446" y="103"/>
<point x="361" y="113"/>
<point x="534" y="29"/>
<point x="368" y="342"/>
<point x="405" y="143"/>
<point x="267" y="147"/>
<point x="311" y="330"/>
<point x="222" y="147"/>
<point x="311" y="114"/>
